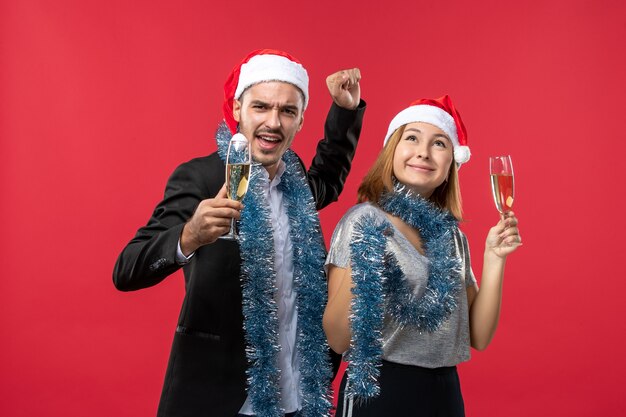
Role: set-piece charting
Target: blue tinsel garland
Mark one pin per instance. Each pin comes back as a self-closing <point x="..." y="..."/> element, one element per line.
<point x="381" y="288"/>
<point x="258" y="281"/>
<point x="367" y="248"/>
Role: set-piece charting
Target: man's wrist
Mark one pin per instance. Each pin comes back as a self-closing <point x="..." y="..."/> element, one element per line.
<point x="184" y="247"/>
<point x="181" y="258"/>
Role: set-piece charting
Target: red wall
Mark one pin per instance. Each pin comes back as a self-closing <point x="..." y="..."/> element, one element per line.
<point x="99" y="101"/>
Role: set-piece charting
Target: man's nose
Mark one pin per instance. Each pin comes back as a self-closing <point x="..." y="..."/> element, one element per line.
<point x="273" y="119"/>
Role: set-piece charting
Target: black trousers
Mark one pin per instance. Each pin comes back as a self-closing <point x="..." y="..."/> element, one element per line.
<point x="410" y="391"/>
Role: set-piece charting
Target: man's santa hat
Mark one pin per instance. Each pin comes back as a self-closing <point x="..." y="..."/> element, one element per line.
<point x="259" y="66"/>
<point x="438" y="112"/>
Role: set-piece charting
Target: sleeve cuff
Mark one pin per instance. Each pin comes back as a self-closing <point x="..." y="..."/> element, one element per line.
<point x="181" y="259"/>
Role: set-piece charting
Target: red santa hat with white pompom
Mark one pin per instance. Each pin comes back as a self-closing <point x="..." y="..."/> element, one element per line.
<point x="438" y="112"/>
<point x="260" y="66"/>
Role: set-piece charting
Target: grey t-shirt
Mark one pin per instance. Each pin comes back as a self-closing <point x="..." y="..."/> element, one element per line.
<point x="447" y="346"/>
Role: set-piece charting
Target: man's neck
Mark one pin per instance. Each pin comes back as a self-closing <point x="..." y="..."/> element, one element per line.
<point x="275" y="169"/>
<point x="271" y="170"/>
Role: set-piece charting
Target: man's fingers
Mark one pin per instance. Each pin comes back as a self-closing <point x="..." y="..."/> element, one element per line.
<point x="344" y="78"/>
<point x="225" y="212"/>
<point x="227" y="202"/>
<point x="344" y="88"/>
<point x="222" y="192"/>
<point x="208" y="212"/>
<point x="222" y="200"/>
<point x="354" y="76"/>
<point x="334" y="80"/>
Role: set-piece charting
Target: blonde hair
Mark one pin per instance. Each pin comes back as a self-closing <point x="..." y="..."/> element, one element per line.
<point x="379" y="179"/>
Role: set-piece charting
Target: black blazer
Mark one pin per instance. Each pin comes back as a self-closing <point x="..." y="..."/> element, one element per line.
<point x="206" y="371"/>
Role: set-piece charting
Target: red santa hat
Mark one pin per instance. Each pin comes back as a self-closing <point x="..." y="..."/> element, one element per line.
<point x="438" y="112"/>
<point x="259" y="66"/>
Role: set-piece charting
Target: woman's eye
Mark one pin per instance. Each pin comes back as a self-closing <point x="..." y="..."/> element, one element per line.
<point x="411" y="138"/>
<point x="440" y="143"/>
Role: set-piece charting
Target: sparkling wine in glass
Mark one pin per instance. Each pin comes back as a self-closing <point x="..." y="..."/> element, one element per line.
<point x="238" y="160"/>
<point x="502" y="184"/>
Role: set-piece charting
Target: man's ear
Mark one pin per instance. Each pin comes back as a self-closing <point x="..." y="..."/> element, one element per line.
<point x="236" y="109"/>
<point x="301" y="122"/>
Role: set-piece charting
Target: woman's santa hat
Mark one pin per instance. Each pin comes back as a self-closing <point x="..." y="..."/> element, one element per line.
<point x="438" y="112"/>
<point x="259" y="66"/>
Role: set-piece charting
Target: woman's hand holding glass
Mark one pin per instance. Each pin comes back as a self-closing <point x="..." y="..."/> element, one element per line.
<point x="503" y="238"/>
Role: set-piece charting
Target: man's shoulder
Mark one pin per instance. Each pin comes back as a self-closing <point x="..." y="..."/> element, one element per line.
<point x="203" y="171"/>
<point x="202" y="163"/>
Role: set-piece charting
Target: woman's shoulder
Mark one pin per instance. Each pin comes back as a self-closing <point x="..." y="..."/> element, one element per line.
<point x="362" y="210"/>
<point x="358" y="215"/>
<point x="351" y="225"/>
<point x="460" y="236"/>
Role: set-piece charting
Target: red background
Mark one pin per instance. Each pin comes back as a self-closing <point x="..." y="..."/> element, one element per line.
<point x="99" y="101"/>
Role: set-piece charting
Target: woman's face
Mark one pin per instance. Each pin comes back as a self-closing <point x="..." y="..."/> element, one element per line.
<point x="422" y="158"/>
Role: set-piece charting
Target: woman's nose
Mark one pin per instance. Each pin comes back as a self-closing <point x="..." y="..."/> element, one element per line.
<point x="423" y="152"/>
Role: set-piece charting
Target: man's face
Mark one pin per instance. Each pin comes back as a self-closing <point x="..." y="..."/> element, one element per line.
<point x="269" y="115"/>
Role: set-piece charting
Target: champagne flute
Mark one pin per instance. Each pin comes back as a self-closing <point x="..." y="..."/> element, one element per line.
<point x="238" y="161"/>
<point x="502" y="184"/>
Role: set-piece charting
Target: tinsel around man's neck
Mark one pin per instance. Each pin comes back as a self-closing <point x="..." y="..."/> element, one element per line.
<point x="258" y="280"/>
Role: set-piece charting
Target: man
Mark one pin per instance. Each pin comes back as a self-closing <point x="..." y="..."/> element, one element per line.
<point x="249" y="339"/>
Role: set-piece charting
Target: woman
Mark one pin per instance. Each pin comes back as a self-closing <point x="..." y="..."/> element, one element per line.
<point x="403" y="303"/>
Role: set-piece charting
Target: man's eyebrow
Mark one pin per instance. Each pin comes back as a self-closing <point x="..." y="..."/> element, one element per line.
<point x="290" y="107"/>
<point x="287" y="106"/>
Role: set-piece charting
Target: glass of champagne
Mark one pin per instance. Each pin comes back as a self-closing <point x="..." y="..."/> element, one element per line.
<point x="238" y="160"/>
<point x="502" y="185"/>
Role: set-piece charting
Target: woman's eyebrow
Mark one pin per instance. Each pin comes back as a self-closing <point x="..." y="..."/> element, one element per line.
<point x="436" y="135"/>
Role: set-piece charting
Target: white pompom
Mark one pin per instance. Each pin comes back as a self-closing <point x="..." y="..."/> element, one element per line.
<point x="239" y="136"/>
<point x="461" y="154"/>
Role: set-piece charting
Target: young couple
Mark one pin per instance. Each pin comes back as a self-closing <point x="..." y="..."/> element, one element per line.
<point x="400" y="301"/>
